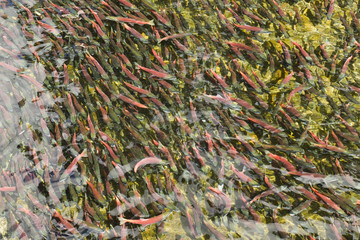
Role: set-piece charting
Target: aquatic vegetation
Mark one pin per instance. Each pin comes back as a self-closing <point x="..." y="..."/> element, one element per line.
<point x="172" y="119"/>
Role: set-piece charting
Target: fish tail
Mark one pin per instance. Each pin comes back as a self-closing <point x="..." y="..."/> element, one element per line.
<point x="121" y="220"/>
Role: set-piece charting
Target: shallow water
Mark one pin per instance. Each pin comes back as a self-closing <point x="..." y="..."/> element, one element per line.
<point x="179" y="119"/>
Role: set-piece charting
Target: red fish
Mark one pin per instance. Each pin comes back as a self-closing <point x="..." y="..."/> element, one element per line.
<point x="153" y="72"/>
<point x="236" y="16"/>
<point x="336" y="231"/>
<point x="66" y="75"/>
<point x="191" y="223"/>
<point x="166" y="152"/>
<point x="9" y="67"/>
<point x="130" y="205"/>
<point x="331" y="9"/>
<point x="111" y="9"/>
<point x="73" y="112"/>
<point x="78" y="106"/>
<point x="30" y="15"/>
<point x="133" y="31"/>
<point x="148" y="160"/>
<point x="317" y="139"/>
<point x="161" y="61"/>
<point x="308" y="175"/>
<point x="344" y="67"/>
<point x="337" y="140"/>
<point x="35" y="202"/>
<point x="92" y="128"/>
<point x="356" y="89"/>
<point x="119" y="171"/>
<point x="130" y="101"/>
<point x="348" y="126"/>
<point x="246" y="144"/>
<point x="209" y="141"/>
<point x="308" y="193"/>
<point x="179" y="35"/>
<point x="264" y="125"/>
<point x="143" y="221"/>
<point x="129" y="74"/>
<point x="95" y="192"/>
<point x="161" y="18"/>
<point x="219" y="98"/>
<point x="193" y="112"/>
<point x="252" y="211"/>
<point x="240" y="45"/>
<point x="199" y="157"/>
<point x="251" y="15"/>
<point x="286" y="52"/>
<point x="327" y="200"/>
<point x="103" y="95"/>
<point x="179" y="196"/>
<point x="7" y="189"/>
<point x="333" y="65"/>
<point x="180" y="46"/>
<point x="139" y="90"/>
<point x="32" y="80"/>
<point x="138" y="202"/>
<point x="72" y="165"/>
<point x="324" y="52"/>
<point x="303" y="52"/>
<point x="261" y="195"/>
<point x="97" y="18"/>
<point x="112" y="154"/>
<point x="250" y="28"/>
<point x="86" y="74"/>
<point x="153" y="194"/>
<point x="355" y="19"/>
<point x="61" y="9"/>
<point x="262" y="84"/>
<point x="35" y="219"/>
<point x="280" y="11"/>
<point x="69" y="28"/>
<point x="20" y="185"/>
<point x="105" y="137"/>
<point x="292" y="110"/>
<point x="126" y="3"/>
<point x="330" y="147"/>
<point x="287" y="116"/>
<point x="241" y="175"/>
<point x="125" y="59"/>
<point x="297" y="89"/>
<point x="191" y="167"/>
<point x="104" y="115"/>
<point x="66" y="223"/>
<point x="11" y="53"/>
<point x="51" y="29"/>
<point x="284" y="162"/>
<point x="249" y="81"/>
<point x="225" y="197"/>
<point x="287" y="78"/>
<point x="94" y="62"/>
<point x="219" y="79"/>
<point x="130" y="20"/>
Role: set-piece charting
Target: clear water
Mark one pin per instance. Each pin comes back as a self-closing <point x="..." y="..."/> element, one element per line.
<point x="179" y="120"/>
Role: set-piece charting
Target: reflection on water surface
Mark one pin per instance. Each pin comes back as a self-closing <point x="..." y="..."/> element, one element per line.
<point x="179" y="119"/>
